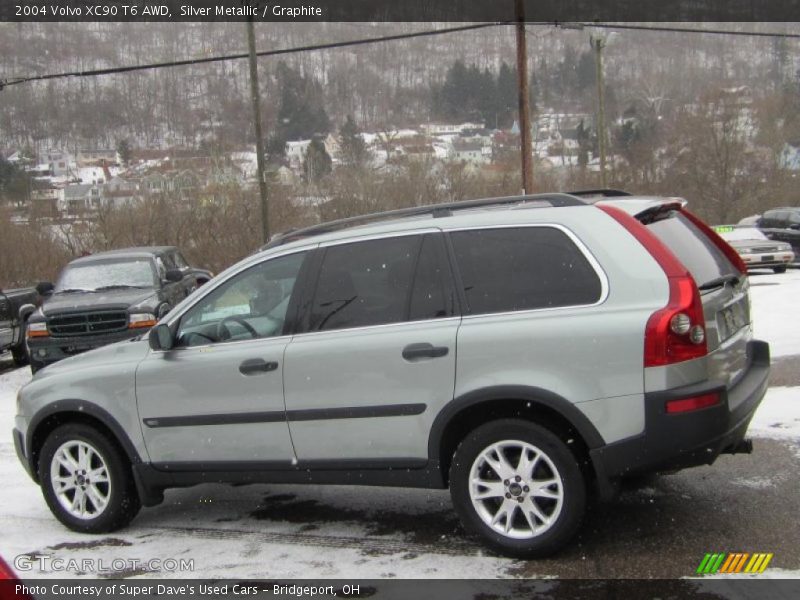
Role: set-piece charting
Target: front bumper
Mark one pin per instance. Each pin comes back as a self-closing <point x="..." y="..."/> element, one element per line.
<point x="19" y="446"/>
<point x="677" y="441"/>
<point x="47" y="350"/>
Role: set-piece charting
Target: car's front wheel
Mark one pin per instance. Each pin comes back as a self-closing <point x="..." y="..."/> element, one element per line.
<point x="518" y="486"/>
<point x="86" y="480"/>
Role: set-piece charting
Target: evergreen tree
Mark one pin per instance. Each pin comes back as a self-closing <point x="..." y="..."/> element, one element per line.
<point x="353" y="149"/>
<point x="318" y="163"/>
<point x="301" y="114"/>
<point x="124" y="151"/>
<point x="14" y="182"/>
<point x="506" y="96"/>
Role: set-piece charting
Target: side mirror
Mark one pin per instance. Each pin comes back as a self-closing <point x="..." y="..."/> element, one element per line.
<point x="174" y="275"/>
<point x="794" y="226"/>
<point x="161" y="337"/>
<point x="44" y="288"/>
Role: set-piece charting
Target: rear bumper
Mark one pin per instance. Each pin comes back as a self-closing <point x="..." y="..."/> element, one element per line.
<point x="677" y="441"/>
<point x="47" y="350"/>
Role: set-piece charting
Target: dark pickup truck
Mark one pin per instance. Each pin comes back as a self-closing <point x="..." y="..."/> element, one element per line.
<point x="108" y="297"/>
<point x="12" y="327"/>
<point x="783" y="225"/>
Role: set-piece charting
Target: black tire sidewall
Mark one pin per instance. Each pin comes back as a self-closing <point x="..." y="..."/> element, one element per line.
<point x="574" y="487"/>
<point x="20" y="354"/>
<point x="123" y="502"/>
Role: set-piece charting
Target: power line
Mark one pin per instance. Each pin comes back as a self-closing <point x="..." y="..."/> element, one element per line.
<point x="659" y="28"/>
<point x="240" y="56"/>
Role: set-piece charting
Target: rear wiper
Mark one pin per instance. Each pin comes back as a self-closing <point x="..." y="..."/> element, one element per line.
<point x="119" y="286"/>
<point x="719" y="282"/>
<point x="73" y="291"/>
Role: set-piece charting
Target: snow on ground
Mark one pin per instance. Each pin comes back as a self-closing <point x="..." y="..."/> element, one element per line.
<point x="774" y="310"/>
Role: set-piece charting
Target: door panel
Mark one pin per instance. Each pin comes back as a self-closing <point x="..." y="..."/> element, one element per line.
<point x="378" y="360"/>
<point x="328" y="373"/>
<point x="218" y="396"/>
<point x="196" y="404"/>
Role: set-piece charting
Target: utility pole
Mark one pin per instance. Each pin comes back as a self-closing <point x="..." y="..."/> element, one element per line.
<point x="597" y="44"/>
<point x="524" y="105"/>
<point x="256" y="100"/>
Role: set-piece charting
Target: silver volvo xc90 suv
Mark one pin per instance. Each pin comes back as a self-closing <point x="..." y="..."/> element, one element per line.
<point x="526" y="352"/>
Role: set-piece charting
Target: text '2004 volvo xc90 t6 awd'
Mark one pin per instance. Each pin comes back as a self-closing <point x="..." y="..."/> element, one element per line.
<point x="525" y="352"/>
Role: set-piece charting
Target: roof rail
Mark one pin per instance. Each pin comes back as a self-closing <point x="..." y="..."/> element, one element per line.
<point x="606" y="193"/>
<point x="444" y="209"/>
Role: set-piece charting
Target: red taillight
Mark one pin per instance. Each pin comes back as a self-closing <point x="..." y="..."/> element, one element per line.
<point x="676" y="332"/>
<point x="664" y="343"/>
<point x="720" y="243"/>
<point x="694" y="403"/>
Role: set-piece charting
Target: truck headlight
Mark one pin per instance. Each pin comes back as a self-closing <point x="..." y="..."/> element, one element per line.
<point x="141" y="321"/>
<point x="36" y="330"/>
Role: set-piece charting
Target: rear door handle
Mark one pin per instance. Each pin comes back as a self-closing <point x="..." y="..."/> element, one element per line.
<point x="417" y="351"/>
<point x="254" y="366"/>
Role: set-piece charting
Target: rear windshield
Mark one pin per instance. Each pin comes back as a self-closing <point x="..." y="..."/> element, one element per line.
<point x="696" y="251"/>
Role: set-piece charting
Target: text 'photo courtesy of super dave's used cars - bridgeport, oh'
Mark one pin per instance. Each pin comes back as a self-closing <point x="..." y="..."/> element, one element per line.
<point x="525" y="352"/>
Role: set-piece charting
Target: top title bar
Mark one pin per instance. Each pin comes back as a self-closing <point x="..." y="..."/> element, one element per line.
<point x="562" y="11"/>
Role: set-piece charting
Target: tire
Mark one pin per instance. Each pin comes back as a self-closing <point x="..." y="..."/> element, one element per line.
<point x="526" y="539"/>
<point x="119" y="491"/>
<point x="779" y="270"/>
<point x="20" y="354"/>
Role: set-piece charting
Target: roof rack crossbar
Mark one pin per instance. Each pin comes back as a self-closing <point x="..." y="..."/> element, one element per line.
<point x="436" y="210"/>
<point x="607" y="193"/>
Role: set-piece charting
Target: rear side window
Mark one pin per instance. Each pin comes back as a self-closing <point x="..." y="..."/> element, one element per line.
<point x="699" y="254"/>
<point x="523" y="268"/>
<point x="377" y="282"/>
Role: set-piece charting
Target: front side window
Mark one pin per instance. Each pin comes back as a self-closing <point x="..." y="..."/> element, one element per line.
<point x="250" y="305"/>
<point x="525" y="268"/>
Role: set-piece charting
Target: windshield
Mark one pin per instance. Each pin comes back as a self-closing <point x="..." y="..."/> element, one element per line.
<point x="742" y="233"/>
<point x="123" y="273"/>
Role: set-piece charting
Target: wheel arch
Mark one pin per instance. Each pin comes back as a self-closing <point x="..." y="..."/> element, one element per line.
<point x="538" y="405"/>
<point x="74" y="411"/>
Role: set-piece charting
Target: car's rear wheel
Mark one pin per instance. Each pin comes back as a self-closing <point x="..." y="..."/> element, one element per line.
<point x="86" y="480"/>
<point x="517" y="485"/>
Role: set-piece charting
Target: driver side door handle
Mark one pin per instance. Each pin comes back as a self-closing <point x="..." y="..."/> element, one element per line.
<point x="414" y="352"/>
<point x="255" y="366"/>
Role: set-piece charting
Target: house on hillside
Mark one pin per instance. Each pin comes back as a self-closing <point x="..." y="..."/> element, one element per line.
<point x="471" y="152"/>
<point x="296" y="151"/>
<point x="79" y="200"/>
<point x="95" y="155"/>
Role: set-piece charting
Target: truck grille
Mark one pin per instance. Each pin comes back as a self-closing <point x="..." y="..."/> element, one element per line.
<point x="87" y="323"/>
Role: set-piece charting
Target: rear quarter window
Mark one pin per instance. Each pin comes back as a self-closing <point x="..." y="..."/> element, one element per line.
<point x="524" y="268"/>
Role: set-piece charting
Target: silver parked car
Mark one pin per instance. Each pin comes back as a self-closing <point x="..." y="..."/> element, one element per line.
<point x="756" y="249"/>
<point x="525" y="352"/>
